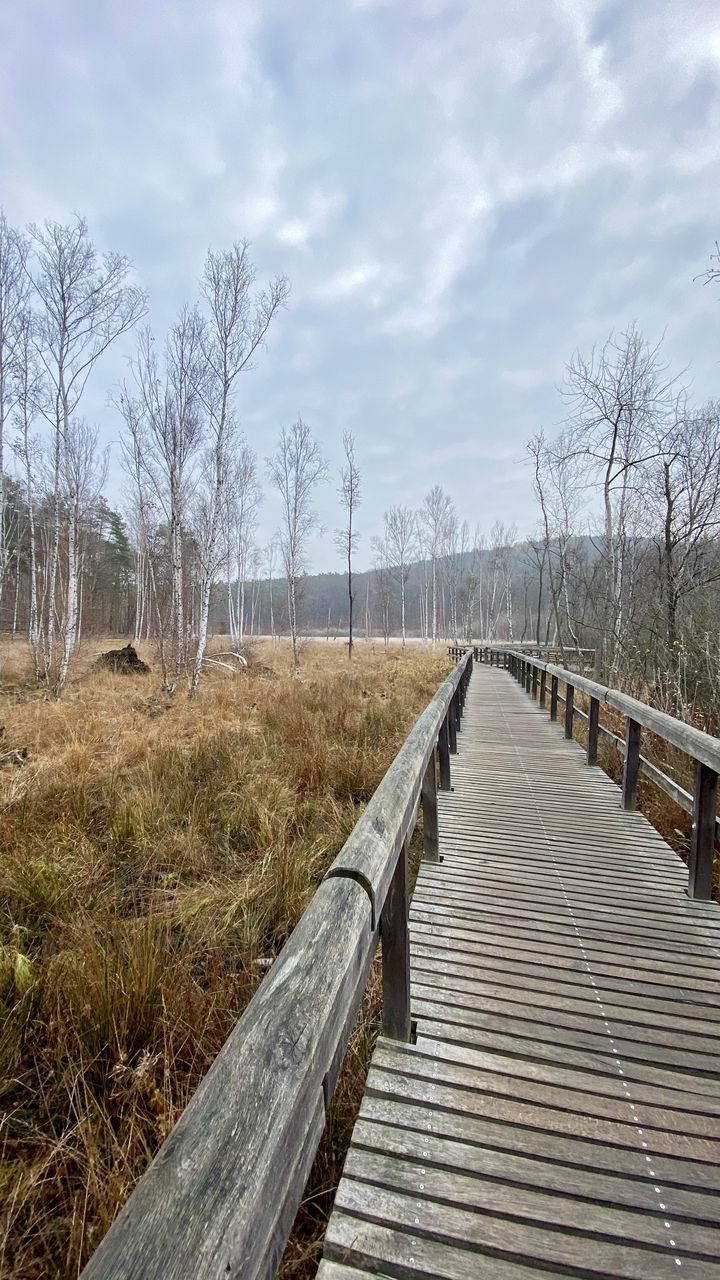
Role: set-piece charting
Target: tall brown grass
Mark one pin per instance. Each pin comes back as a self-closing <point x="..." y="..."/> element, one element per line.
<point x="152" y="851"/>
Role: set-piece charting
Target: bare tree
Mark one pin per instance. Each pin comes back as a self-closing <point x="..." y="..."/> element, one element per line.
<point x="82" y="304"/>
<point x="381" y="565"/>
<point x="13" y="346"/>
<point x="238" y="321"/>
<point x="456" y="554"/>
<point x="553" y="485"/>
<point x="400" y="545"/>
<point x="84" y="471"/>
<point x="269" y="561"/>
<point x="166" y="408"/>
<point x="28" y="451"/>
<point x="713" y="271"/>
<point x="145" y="507"/>
<point x="346" y="539"/>
<point x="684" y="494"/>
<point x="295" y="469"/>
<point x="432" y="517"/>
<point x="620" y="397"/>
<point x="242" y="502"/>
<point x="537" y="554"/>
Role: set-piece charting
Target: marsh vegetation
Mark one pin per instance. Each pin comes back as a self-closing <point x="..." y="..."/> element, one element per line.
<point x="155" y="853"/>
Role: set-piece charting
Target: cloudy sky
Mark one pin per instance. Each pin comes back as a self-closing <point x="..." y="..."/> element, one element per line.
<point x="461" y="193"/>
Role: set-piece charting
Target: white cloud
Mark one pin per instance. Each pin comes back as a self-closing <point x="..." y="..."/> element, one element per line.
<point x="349" y="282"/>
<point x="460" y="193"/>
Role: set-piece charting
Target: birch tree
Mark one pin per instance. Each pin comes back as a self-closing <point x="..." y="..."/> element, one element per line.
<point x="270" y="554"/>
<point x="295" y="469"/>
<point x="238" y="322"/>
<point x="433" y="517"/>
<point x="684" y="494"/>
<point x="28" y="451"/>
<point x="84" y="471"/>
<point x="382" y="582"/>
<point x="163" y="408"/>
<point x="241" y="513"/>
<point x="82" y="303"/>
<point x="620" y="396"/>
<point x="13" y="347"/>
<point x="346" y="538"/>
<point x="400" y="546"/>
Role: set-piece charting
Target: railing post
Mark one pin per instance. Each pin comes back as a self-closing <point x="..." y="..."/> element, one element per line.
<point x="553" y="697"/>
<point x="534" y="681"/>
<point x="702" y="840"/>
<point x="528" y="676"/>
<point x="444" y="753"/>
<point x="543" y="686"/>
<point x="452" y="724"/>
<point x="593" y="727"/>
<point x="431" y="843"/>
<point x="569" y="709"/>
<point x="631" y="767"/>
<point x="396" y="953"/>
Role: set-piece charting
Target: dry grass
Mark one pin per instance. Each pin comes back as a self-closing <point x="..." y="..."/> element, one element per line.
<point x="151" y="851"/>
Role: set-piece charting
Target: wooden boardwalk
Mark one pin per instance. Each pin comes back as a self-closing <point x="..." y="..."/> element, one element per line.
<point x="559" y="1114"/>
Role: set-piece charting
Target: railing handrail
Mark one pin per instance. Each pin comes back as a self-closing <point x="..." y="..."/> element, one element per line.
<point x="390" y="813"/>
<point x="220" y="1196"/>
<point x="702" y="748"/>
<point x="694" y="742"/>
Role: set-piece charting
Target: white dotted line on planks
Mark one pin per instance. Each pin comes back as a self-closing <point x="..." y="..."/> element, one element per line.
<point x="618" y="1061"/>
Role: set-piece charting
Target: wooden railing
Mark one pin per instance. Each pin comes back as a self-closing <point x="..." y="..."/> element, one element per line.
<point x="220" y="1197"/>
<point x="702" y="748"/>
<point x="491" y="652"/>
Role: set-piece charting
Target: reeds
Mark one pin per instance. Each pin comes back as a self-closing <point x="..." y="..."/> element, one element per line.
<point x="152" y="851"/>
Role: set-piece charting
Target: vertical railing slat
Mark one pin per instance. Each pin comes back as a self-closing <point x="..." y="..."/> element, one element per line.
<point x="702" y="841"/>
<point x="631" y="768"/>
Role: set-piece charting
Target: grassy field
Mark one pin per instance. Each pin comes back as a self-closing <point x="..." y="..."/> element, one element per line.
<point x="153" y="854"/>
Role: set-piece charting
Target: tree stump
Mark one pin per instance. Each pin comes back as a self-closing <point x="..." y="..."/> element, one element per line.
<point x="126" y="661"/>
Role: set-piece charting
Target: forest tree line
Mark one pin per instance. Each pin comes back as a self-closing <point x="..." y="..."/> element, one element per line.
<point x="623" y="557"/>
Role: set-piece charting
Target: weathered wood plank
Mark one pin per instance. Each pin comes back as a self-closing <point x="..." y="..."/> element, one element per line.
<point x="410" y="1256"/>
<point x="563" y="1096"/>
<point x="502" y="1237"/>
<point x="400" y="1133"/>
<point x="566" y="1149"/>
<point x="420" y="1176"/>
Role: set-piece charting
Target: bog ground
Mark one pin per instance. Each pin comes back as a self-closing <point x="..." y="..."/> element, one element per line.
<point x="154" y="854"/>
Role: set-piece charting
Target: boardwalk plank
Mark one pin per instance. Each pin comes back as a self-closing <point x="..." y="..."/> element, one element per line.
<point x="559" y="1113"/>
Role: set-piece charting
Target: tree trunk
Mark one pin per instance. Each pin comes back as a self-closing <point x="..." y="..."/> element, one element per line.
<point x="71" y="603"/>
<point x="402" y="603"/>
<point x="292" y="618"/>
<point x="177" y="588"/>
<point x="350" y="595"/>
